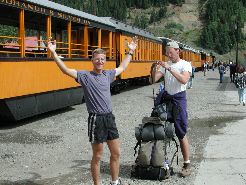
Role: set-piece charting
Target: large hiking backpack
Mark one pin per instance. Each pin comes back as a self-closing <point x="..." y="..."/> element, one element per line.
<point x="153" y="137"/>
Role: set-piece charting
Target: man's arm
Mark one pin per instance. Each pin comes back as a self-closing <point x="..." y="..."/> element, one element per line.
<point x="70" y="72"/>
<point x="182" y="77"/>
<point x="155" y="74"/>
<point x="128" y="57"/>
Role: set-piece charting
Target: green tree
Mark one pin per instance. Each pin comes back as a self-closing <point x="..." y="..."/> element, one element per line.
<point x="144" y="21"/>
<point x="226" y="17"/>
<point x="162" y="12"/>
<point x="145" y="4"/>
<point x="177" y="2"/>
<point x="141" y="22"/>
<point x="153" y="16"/>
<point x="137" y="21"/>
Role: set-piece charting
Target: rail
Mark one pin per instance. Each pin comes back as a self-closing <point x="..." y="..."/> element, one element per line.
<point x="9" y="46"/>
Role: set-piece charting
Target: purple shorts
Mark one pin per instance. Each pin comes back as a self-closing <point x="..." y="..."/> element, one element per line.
<point x="181" y="122"/>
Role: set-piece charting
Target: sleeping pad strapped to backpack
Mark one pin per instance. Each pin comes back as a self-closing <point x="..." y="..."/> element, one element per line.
<point x="153" y="137"/>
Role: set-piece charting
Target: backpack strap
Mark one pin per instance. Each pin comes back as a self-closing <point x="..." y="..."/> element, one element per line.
<point x="138" y="144"/>
<point x="176" y="152"/>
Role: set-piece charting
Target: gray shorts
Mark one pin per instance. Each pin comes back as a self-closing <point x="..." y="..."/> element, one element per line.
<point x="102" y="127"/>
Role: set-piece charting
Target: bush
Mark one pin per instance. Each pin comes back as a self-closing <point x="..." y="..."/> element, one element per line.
<point x="173" y="25"/>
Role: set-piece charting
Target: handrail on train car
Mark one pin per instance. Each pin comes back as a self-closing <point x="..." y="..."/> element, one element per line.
<point x="77" y="44"/>
<point x="62" y="43"/>
<point x="7" y="47"/>
<point x="10" y="45"/>
<point x="11" y="37"/>
<point x="61" y="48"/>
<point x="6" y="52"/>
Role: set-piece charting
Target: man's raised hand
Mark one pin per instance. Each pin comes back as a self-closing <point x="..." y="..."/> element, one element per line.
<point x="133" y="45"/>
<point x="52" y="45"/>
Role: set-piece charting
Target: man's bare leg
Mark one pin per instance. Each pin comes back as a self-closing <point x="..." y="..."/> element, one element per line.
<point x="184" y="145"/>
<point x="114" y="147"/>
<point x="97" y="150"/>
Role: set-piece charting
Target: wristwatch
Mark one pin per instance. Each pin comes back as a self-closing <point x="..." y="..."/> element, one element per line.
<point x="169" y="69"/>
<point x="130" y="54"/>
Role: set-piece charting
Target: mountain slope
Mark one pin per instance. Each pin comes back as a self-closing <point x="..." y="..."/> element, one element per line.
<point x="180" y="23"/>
<point x="184" y="24"/>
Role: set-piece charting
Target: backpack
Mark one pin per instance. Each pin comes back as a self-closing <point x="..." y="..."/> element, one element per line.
<point x="153" y="136"/>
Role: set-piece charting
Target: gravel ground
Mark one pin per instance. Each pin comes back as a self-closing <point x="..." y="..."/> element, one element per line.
<point x="53" y="148"/>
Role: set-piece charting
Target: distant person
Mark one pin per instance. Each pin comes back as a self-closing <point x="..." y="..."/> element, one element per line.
<point x="207" y="64"/>
<point x="213" y="66"/>
<point x="240" y="82"/>
<point x="221" y="69"/>
<point x="225" y="65"/>
<point x="232" y="71"/>
<point x="176" y="74"/>
<point x="101" y="122"/>
<point x="205" y="68"/>
<point x="190" y="82"/>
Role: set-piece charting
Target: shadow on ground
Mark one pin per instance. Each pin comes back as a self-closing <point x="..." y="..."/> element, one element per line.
<point x="13" y="124"/>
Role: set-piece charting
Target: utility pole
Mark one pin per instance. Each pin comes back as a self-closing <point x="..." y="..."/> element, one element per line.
<point x="237" y="33"/>
<point x="95" y="5"/>
<point x="237" y="40"/>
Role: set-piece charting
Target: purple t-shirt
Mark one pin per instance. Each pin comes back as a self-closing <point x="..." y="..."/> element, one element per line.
<point x="97" y="90"/>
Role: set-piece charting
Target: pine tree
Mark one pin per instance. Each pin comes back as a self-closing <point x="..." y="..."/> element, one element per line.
<point x="137" y="21"/>
<point x="153" y="16"/>
<point x="162" y="12"/>
<point x="144" y="21"/>
<point x="226" y="17"/>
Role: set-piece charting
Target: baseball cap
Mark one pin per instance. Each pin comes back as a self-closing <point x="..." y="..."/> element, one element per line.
<point x="173" y="44"/>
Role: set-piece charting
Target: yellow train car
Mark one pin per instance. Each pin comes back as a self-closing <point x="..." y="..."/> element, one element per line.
<point x="30" y="81"/>
<point x="148" y="51"/>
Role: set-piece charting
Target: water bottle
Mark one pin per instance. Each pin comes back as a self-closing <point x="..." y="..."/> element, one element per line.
<point x="166" y="164"/>
<point x="161" y="87"/>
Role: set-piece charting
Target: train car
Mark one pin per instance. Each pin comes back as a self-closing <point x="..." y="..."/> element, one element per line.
<point x="207" y="57"/>
<point x="30" y="81"/>
<point x="148" y="51"/>
<point x="192" y="55"/>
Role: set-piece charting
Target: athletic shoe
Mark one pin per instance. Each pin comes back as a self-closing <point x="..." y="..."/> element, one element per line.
<point x="186" y="170"/>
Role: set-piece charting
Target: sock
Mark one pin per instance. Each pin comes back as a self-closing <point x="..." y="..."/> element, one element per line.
<point x="187" y="161"/>
<point x="114" y="182"/>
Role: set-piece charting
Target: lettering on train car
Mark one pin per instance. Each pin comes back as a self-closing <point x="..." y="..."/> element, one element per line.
<point x="34" y="8"/>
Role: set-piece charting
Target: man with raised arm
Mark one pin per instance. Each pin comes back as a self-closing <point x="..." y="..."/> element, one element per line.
<point x="101" y="122"/>
<point x="176" y="74"/>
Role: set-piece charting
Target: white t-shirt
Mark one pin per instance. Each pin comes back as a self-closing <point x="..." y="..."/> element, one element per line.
<point x="172" y="85"/>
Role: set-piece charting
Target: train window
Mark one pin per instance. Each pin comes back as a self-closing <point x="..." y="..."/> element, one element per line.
<point x="9" y="41"/>
<point x="9" y="37"/>
<point x="77" y="41"/>
<point x="35" y="37"/>
<point x="92" y="41"/>
<point x="35" y="43"/>
<point x="105" y="42"/>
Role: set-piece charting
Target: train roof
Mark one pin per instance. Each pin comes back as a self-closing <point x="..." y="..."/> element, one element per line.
<point x="72" y="11"/>
<point x="121" y="26"/>
<point x="107" y="21"/>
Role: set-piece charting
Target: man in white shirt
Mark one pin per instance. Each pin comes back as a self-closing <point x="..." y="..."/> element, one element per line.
<point x="176" y="73"/>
